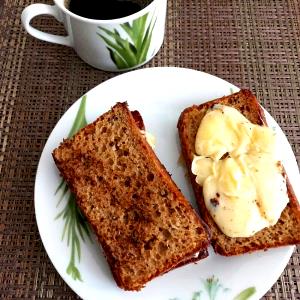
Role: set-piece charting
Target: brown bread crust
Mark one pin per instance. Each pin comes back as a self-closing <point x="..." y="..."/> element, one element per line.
<point x="145" y="225"/>
<point x="287" y="229"/>
<point x="202" y="254"/>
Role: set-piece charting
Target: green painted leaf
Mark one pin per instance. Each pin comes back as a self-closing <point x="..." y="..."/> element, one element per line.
<point x="146" y="43"/>
<point x="118" y="60"/>
<point x="122" y="48"/>
<point x="131" y="51"/>
<point x="127" y="53"/>
<point x="117" y="33"/>
<point x="73" y="272"/>
<point x="80" y="230"/>
<point x="139" y="29"/>
<point x="80" y="120"/>
<point x="197" y="295"/>
<point x="64" y="190"/>
<point x="76" y="244"/>
<point x="62" y="183"/>
<point x="59" y="215"/>
<point x="245" y="294"/>
<point x="69" y="230"/>
<point x="82" y="225"/>
<point x="212" y="287"/>
<point x="75" y="226"/>
<point x="110" y="44"/>
<point x="110" y="33"/>
<point x="65" y="227"/>
<point x="128" y="29"/>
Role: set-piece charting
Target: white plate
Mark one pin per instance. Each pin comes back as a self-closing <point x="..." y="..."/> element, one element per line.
<point x="160" y="94"/>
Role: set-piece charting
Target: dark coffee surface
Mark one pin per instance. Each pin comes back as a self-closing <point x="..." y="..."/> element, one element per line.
<point x="103" y="9"/>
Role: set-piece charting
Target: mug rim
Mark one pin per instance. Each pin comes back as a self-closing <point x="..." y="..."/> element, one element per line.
<point x="125" y="19"/>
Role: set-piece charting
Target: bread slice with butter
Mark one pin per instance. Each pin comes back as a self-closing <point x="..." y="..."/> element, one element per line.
<point x="144" y="223"/>
<point x="286" y="230"/>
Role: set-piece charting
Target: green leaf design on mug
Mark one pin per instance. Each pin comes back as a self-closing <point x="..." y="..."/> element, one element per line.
<point x="133" y="50"/>
<point x="76" y="229"/>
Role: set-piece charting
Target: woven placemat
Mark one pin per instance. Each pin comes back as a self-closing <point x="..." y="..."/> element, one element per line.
<point x="253" y="44"/>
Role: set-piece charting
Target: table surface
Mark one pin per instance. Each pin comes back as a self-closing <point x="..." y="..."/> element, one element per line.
<point x="252" y="44"/>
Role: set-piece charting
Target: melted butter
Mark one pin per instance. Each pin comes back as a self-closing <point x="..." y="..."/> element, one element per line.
<point x="245" y="191"/>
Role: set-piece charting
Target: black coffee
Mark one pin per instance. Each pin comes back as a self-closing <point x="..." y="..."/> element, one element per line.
<point x="104" y="9"/>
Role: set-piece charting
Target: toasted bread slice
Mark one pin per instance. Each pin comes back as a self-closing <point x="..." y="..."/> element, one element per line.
<point x="145" y="225"/>
<point x="286" y="231"/>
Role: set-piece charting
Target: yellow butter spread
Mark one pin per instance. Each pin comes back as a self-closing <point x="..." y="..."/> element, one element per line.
<point x="237" y="165"/>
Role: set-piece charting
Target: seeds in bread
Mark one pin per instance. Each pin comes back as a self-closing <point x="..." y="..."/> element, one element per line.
<point x="143" y="222"/>
<point x="286" y="230"/>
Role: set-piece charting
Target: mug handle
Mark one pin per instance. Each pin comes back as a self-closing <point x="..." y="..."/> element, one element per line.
<point x="37" y="9"/>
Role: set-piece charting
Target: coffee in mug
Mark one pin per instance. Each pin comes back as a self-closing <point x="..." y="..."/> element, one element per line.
<point x="104" y="9"/>
<point x="101" y="31"/>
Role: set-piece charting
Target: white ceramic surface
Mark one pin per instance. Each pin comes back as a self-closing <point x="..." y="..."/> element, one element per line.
<point x="95" y="41"/>
<point x="160" y="94"/>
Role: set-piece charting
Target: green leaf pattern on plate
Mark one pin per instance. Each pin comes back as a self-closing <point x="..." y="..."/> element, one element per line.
<point x="132" y="50"/>
<point x="212" y="287"/>
<point x="197" y="296"/>
<point x="213" y="290"/>
<point x="76" y="229"/>
<point x="245" y="294"/>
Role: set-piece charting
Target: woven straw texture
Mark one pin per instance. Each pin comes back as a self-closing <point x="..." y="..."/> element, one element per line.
<point x="253" y="44"/>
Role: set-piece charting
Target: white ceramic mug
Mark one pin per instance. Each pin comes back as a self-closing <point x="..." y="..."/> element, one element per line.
<point x="111" y="45"/>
